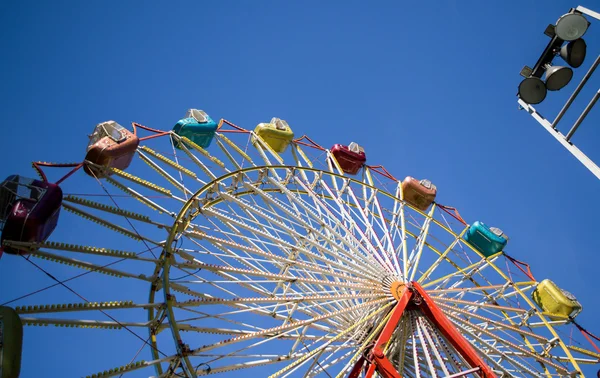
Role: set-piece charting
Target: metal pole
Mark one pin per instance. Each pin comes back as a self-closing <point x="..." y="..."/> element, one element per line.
<point x="576" y="92"/>
<point x="590" y="165"/>
<point x="589" y="12"/>
<point x="583" y="115"/>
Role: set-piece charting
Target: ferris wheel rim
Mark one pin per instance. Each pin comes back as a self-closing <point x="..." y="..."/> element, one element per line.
<point x="207" y="187"/>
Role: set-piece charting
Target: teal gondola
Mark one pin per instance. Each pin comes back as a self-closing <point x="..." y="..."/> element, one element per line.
<point x="197" y="126"/>
<point x="487" y="240"/>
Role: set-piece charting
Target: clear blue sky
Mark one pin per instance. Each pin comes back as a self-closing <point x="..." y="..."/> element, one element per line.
<point x="427" y="87"/>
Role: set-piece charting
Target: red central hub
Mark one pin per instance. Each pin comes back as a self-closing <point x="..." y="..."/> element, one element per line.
<point x="413" y="295"/>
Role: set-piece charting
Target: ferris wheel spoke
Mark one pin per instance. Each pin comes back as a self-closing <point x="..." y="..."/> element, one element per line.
<point x="494" y="325"/>
<point x="173" y="181"/>
<point x="284" y="328"/>
<point x="440" y="259"/>
<point x="115" y="210"/>
<point x="267" y="222"/>
<point x="314" y="362"/>
<point x="336" y="251"/>
<point x="333" y="339"/>
<point x="234" y="147"/>
<point x="502" y="356"/>
<point x="188" y="290"/>
<point x="283" y="299"/>
<point x="264" y="359"/>
<point x="124" y="369"/>
<point x="287" y="313"/>
<point x="243" y="365"/>
<point x="476" y="288"/>
<point x="478" y="304"/>
<point x="229" y="155"/>
<point x="213" y="159"/>
<point x="223" y="256"/>
<point x="399" y="209"/>
<point x="289" y="278"/>
<point x="387" y="235"/>
<point x="146" y="184"/>
<point x="462" y="274"/>
<point x="318" y="214"/>
<point x="271" y="312"/>
<point x="315" y="358"/>
<point x="370" y="233"/>
<point x="429" y="344"/>
<point x="450" y="353"/>
<point x="88" y="266"/>
<point x="350" y="240"/>
<point x="83" y="323"/>
<point x="323" y="366"/>
<point x="237" y="332"/>
<point x="77" y="307"/>
<point x="187" y="325"/>
<point x="501" y="341"/>
<point x="183" y="145"/>
<point x="425" y="346"/>
<point x="415" y="352"/>
<point x="203" y="167"/>
<point x="141" y="198"/>
<point x="294" y="255"/>
<point x="500" y="294"/>
<point x="398" y="348"/>
<point x="262" y="148"/>
<point x="395" y="215"/>
<point x="169" y="162"/>
<point x="31" y="247"/>
<point x="345" y="210"/>
<point x="280" y="243"/>
<point x="107" y="224"/>
<point x="413" y="261"/>
<point x="301" y="264"/>
<point x="300" y="157"/>
<point x="267" y="227"/>
<point x="496" y="299"/>
<point x="334" y="225"/>
<point x="247" y="260"/>
<point x="266" y="292"/>
<point x="334" y="294"/>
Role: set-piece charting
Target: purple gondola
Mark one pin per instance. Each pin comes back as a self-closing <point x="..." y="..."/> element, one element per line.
<point x="29" y="211"/>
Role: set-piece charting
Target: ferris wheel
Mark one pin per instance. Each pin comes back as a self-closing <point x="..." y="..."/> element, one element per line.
<point x="211" y="249"/>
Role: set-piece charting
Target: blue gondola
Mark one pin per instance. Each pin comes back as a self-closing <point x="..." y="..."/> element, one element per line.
<point x="487" y="240"/>
<point x="197" y="126"/>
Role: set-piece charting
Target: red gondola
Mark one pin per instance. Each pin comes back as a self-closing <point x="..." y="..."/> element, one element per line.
<point x="351" y="158"/>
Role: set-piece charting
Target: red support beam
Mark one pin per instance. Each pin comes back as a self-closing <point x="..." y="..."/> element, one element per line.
<point x="384" y="366"/>
<point x="358" y="367"/>
<point x="403" y="295"/>
<point x="437" y="317"/>
<point x="415" y="296"/>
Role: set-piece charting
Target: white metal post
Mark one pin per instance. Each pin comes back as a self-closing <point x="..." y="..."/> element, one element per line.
<point x="589" y="164"/>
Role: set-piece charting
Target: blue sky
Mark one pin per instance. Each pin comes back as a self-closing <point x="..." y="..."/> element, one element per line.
<point x="427" y="88"/>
